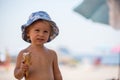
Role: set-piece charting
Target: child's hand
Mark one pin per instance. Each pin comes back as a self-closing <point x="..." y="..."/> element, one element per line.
<point x="24" y="67"/>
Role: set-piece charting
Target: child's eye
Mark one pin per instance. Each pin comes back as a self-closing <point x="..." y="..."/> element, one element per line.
<point x="46" y="31"/>
<point x="37" y="30"/>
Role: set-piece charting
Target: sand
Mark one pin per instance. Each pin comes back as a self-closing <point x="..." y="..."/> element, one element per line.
<point x="86" y="72"/>
<point x="79" y="72"/>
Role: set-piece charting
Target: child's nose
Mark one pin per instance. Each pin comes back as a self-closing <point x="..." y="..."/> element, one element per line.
<point x="41" y="33"/>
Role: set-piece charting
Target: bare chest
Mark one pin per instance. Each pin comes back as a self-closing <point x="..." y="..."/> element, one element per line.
<point x="41" y="60"/>
<point x="41" y="66"/>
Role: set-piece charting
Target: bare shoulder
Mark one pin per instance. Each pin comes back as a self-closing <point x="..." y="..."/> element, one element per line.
<point x="20" y="58"/>
<point x="21" y="52"/>
<point x="52" y="52"/>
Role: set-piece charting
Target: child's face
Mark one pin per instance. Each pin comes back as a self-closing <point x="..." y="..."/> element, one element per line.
<point x="39" y="32"/>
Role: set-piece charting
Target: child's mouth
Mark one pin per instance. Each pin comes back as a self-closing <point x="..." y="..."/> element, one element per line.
<point x="39" y="39"/>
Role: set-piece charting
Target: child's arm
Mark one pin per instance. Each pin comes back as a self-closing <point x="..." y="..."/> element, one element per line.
<point x="57" y="73"/>
<point x="20" y="68"/>
<point x="18" y="73"/>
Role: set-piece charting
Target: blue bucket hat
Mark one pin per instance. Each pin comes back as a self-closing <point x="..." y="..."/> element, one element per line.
<point x="40" y="15"/>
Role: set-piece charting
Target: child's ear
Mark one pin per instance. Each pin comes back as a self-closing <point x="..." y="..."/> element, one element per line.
<point x="28" y="35"/>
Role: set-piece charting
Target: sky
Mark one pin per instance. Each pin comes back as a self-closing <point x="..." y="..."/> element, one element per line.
<point x="76" y="32"/>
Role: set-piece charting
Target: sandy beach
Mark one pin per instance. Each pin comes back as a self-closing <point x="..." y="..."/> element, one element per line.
<point x="79" y="72"/>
